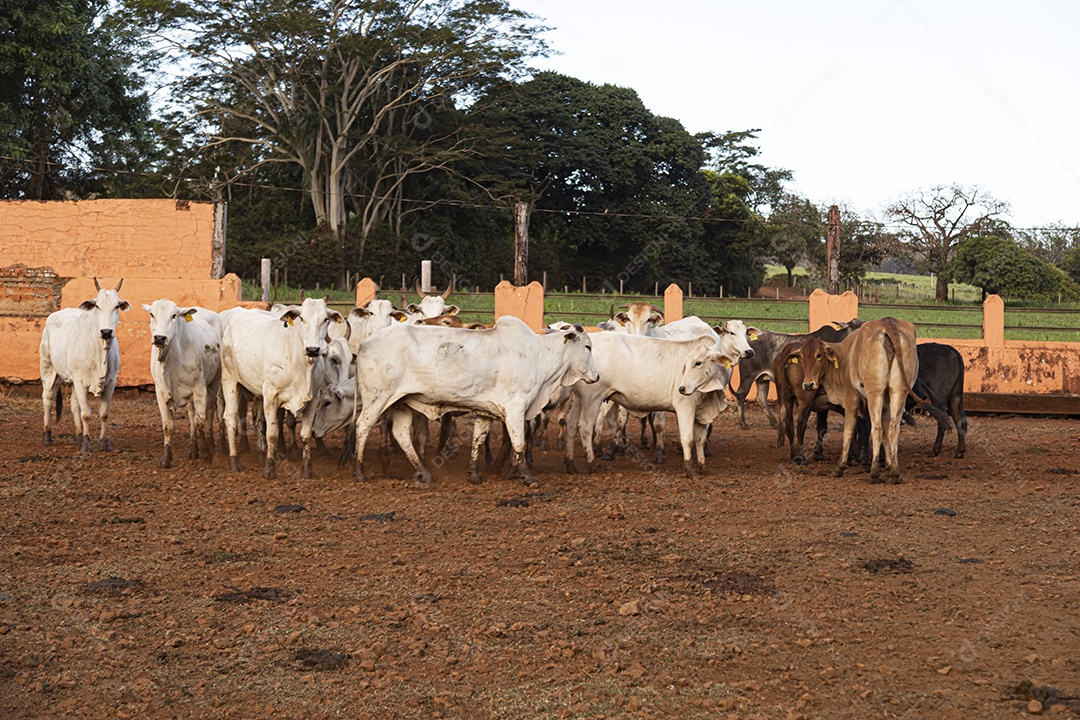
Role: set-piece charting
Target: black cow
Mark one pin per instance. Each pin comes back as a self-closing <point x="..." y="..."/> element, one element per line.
<point x="941" y="381"/>
<point x="759" y="368"/>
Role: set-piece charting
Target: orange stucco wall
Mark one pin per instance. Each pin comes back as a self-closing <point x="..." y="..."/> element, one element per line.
<point x="161" y="248"/>
<point x="110" y="239"/>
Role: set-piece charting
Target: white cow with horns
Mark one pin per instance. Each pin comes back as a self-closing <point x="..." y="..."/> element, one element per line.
<point x="275" y="357"/>
<point x="78" y="346"/>
<point x="506" y="372"/>
<point x="185" y="362"/>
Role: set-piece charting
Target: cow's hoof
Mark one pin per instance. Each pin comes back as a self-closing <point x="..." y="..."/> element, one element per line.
<point x="166" y="457"/>
<point x="839" y="472"/>
<point x="359" y="475"/>
<point x="234" y="463"/>
<point x="772" y="422"/>
<point x="799" y="459"/>
<point x="270" y="470"/>
<point x="590" y="467"/>
<point x="658" y="457"/>
<point x="529" y="478"/>
<point x="104" y="445"/>
<point x="306" y="472"/>
<point x="475" y="478"/>
<point x="85" y="444"/>
<point x="609" y="454"/>
<point x="959" y="455"/>
<point x="422" y="478"/>
<point x="743" y="425"/>
<point x="934" y="452"/>
<point x="47" y="438"/>
<point x="708" y="450"/>
<point x="193" y="452"/>
<point x="819" y="456"/>
<point x="571" y="469"/>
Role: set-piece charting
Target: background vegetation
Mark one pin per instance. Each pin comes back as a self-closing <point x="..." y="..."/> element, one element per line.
<point x="357" y="137"/>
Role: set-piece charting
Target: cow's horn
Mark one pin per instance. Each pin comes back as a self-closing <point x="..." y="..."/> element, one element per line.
<point x="656" y="308"/>
<point x="119" y="284"/>
<point x="450" y="288"/>
<point x="420" y="292"/>
<point x="611" y="312"/>
<point x="97" y="285"/>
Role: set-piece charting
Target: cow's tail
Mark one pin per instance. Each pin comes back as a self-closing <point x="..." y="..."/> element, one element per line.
<point x="59" y="398"/>
<point x="891" y="346"/>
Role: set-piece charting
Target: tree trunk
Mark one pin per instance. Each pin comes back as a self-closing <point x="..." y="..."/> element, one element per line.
<point x="790" y="276"/>
<point x="942" y="293"/>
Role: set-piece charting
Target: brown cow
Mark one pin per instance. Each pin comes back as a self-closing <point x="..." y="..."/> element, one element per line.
<point x="877" y="364"/>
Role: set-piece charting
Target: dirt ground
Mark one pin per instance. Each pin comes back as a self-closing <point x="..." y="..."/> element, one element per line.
<point x="759" y="591"/>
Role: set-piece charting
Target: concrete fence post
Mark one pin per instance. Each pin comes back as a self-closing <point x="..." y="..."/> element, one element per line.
<point x="365" y="291"/>
<point x="993" y="325"/>
<point x="673" y="300"/>
<point x="825" y="308"/>
<point x="525" y="303"/>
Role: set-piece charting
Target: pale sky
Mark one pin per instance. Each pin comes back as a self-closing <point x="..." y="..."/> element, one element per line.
<point x="864" y="101"/>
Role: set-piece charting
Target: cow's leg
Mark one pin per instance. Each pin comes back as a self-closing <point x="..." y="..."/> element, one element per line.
<point x="618" y="440"/>
<point x="230" y="393"/>
<point x="822" y="430"/>
<point x="103" y="415"/>
<point x="481" y="428"/>
<point x="896" y="406"/>
<point x="700" y="432"/>
<point x="574" y="428"/>
<point x="401" y="421"/>
<point x="763" y="398"/>
<point x="241" y="411"/>
<point x="515" y="428"/>
<point x="660" y="429"/>
<point x="193" y="442"/>
<point x="850" y="416"/>
<point x="80" y="410"/>
<point x="365" y="421"/>
<point x="270" y="417"/>
<point x="797" y="436"/>
<point x="50" y="397"/>
<point x="644" y="441"/>
<point x="740" y="394"/>
<point x="166" y="429"/>
<point x="875" y="404"/>
<point x="956" y="411"/>
<point x="685" y="416"/>
<point x="446" y="431"/>
<point x="941" y="428"/>
<point x="307" y="419"/>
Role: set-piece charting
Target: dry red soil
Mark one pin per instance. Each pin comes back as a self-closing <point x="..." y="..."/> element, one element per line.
<point x="759" y="591"/>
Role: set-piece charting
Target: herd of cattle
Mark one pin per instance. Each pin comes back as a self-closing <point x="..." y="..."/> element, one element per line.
<point x="309" y="365"/>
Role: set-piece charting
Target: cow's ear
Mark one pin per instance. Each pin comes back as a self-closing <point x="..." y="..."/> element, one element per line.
<point x="570" y="336"/>
<point x="124" y="304"/>
<point x="452" y="309"/>
<point x="335" y="316"/>
<point x="289" y="316"/>
<point x="720" y="329"/>
<point x="793" y="359"/>
<point x="752" y="333"/>
<point x="656" y="318"/>
<point x="359" y="312"/>
<point x="723" y="359"/>
<point x="399" y="316"/>
<point x="412" y="308"/>
<point x="832" y="357"/>
<point x="147" y="309"/>
<point x="88" y="304"/>
<point x="186" y="313"/>
<point x="621" y="318"/>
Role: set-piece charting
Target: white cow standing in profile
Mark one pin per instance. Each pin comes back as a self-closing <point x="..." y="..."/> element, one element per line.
<point x="185" y="362"/>
<point x="78" y="346"/>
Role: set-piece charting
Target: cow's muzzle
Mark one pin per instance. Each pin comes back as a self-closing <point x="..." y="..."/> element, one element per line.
<point x="749" y="353"/>
<point x="159" y="341"/>
<point x="106" y="334"/>
<point x="809" y="386"/>
<point x="313" y="352"/>
<point x="682" y="390"/>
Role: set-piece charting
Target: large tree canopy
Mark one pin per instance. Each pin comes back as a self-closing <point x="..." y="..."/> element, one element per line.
<point x="938" y="219"/>
<point x="998" y="264"/>
<point x="351" y="91"/>
<point x="70" y="100"/>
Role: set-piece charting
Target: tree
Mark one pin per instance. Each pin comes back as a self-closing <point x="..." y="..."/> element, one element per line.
<point x="1071" y="264"/>
<point x="939" y="219"/>
<point x="350" y="90"/>
<point x="794" y="228"/>
<point x="71" y="100"/>
<point x="999" y="265"/>
<point x="1050" y="243"/>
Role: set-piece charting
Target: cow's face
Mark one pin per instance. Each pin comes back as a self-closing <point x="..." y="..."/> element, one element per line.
<point x="337" y="359"/>
<point x="311" y="321"/>
<point x="638" y="318"/>
<point x="335" y="408"/>
<point x="432" y="306"/>
<point x="581" y="367"/>
<point x="705" y="370"/>
<point x="371" y="318"/>
<point x="107" y="306"/>
<point x="817" y="359"/>
<point x="164" y="317"/>
<point x="734" y="339"/>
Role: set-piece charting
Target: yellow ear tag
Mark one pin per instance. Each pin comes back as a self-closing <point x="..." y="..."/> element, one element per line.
<point x="793" y="360"/>
<point x="727" y="364"/>
<point x="836" y="363"/>
<point x="187" y="318"/>
<point x="752" y="336"/>
<point x="289" y="321"/>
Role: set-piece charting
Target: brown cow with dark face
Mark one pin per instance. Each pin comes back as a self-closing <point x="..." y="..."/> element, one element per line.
<point x="877" y="364"/>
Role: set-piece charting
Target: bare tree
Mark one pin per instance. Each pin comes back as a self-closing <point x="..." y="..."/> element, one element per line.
<point x="939" y="219"/>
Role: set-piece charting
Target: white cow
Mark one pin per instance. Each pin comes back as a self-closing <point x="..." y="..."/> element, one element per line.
<point x="185" y="362"/>
<point x="645" y="374"/>
<point x="368" y="319"/>
<point x="78" y="346"/>
<point x="507" y="372"/>
<point x="275" y="357"/>
<point x="431" y="305"/>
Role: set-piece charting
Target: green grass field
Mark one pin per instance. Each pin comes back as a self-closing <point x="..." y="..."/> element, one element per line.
<point x="959" y="320"/>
